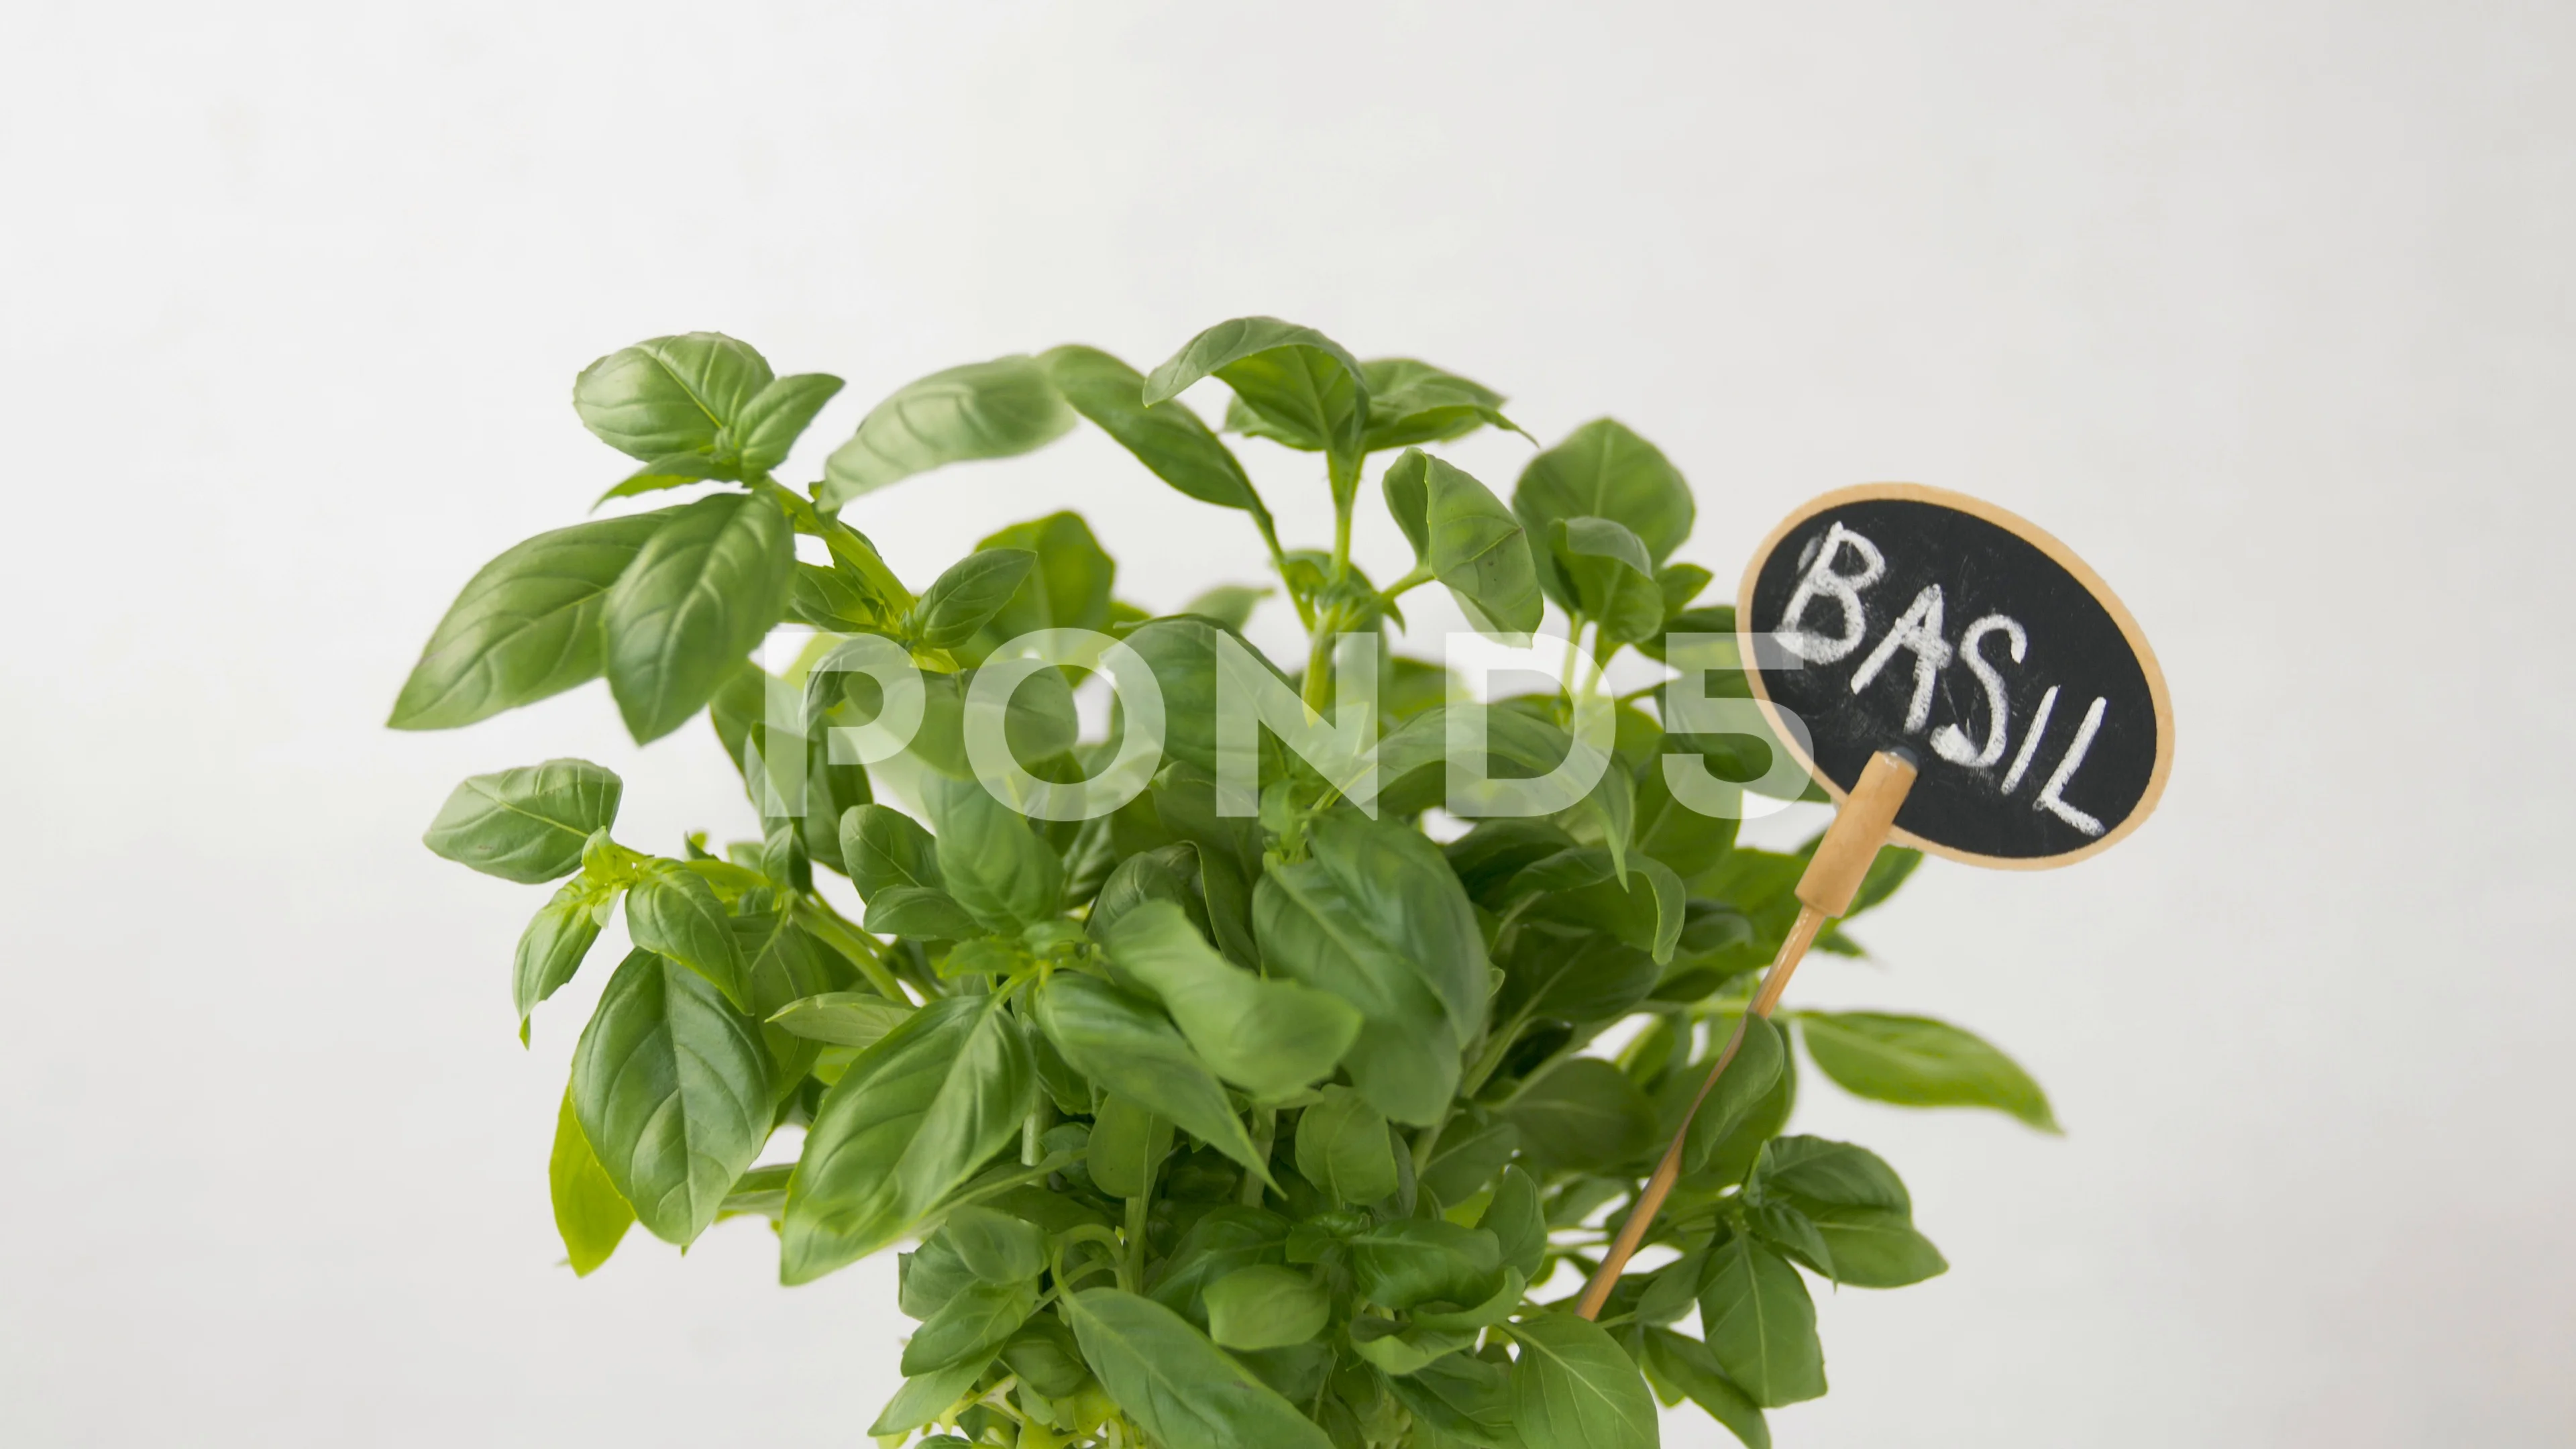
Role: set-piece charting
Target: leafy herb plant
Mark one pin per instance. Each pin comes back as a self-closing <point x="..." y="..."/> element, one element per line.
<point x="1279" y="1130"/>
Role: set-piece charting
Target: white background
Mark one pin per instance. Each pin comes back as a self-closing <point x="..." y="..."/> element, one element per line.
<point x="2263" y="308"/>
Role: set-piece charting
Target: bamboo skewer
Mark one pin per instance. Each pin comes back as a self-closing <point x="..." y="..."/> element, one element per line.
<point x="1833" y="877"/>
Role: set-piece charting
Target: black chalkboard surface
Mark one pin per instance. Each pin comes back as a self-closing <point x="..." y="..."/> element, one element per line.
<point x="1895" y="616"/>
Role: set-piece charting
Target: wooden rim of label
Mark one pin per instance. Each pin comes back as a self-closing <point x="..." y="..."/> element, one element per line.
<point x="2065" y="558"/>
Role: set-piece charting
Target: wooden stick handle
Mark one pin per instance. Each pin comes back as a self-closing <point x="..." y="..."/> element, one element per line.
<point x="1833" y="877"/>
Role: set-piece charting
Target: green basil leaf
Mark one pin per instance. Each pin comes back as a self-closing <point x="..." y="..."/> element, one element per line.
<point x="1343" y="1148"/>
<point x="526" y="626"/>
<point x="909" y="1121"/>
<point x="1584" y="1114"/>
<point x="1043" y="1353"/>
<point x="678" y="470"/>
<point x="1166" y="873"/>
<point x="995" y="1246"/>
<point x="996" y="409"/>
<point x="924" y="913"/>
<point x="672" y="910"/>
<point x="1602" y="470"/>
<point x="1607" y="575"/>
<point x="1269" y="1037"/>
<point x="971" y="1326"/>
<point x="552" y="947"/>
<point x="1875" y="1248"/>
<point x="1129" y="1048"/>
<point x="1128" y="1143"/>
<point x="781" y="966"/>
<point x="1915" y="1061"/>
<point x="1223" y="1240"/>
<point x="1793" y="1233"/>
<point x="1373" y="916"/>
<point x="702" y="592"/>
<point x="959" y="601"/>
<point x="1182" y="655"/>
<point x="1230" y="605"/>
<point x="529" y="824"/>
<point x="1310" y="392"/>
<point x="1674" y="833"/>
<point x="778" y="415"/>
<point x="1468" y="1155"/>
<point x="930" y="1276"/>
<point x="1515" y="1220"/>
<point x="1177" y="1386"/>
<point x="885" y="848"/>
<point x="1462" y="1396"/>
<point x="1817" y="1171"/>
<point x="1690" y="1367"/>
<point x="1741" y="1093"/>
<point x="993" y="864"/>
<point x="1069" y="588"/>
<point x="841" y="1018"/>
<point x="927" y="1398"/>
<point x="1266" y="1307"/>
<point x="672" y="1088"/>
<point x="1171" y="442"/>
<point x="1761" y="1325"/>
<point x="1469" y="540"/>
<point x="589" y="1215"/>
<point x="1413" y="402"/>
<point x="669" y="394"/>
<point x="1886" y="872"/>
<point x="1406" y="1261"/>
<point x="1573" y="1387"/>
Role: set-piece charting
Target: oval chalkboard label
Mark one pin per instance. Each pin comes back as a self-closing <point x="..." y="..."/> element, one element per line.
<point x="1895" y="616"/>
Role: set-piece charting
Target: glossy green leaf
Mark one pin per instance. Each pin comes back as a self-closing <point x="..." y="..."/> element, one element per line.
<point x="959" y="601"/>
<point x="670" y="394"/>
<point x="1469" y="540"/>
<point x="1343" y="1148"/>
<point x="1068" y="589"/>
<point x="1269" y="1037"/>
<point x="996" y="409"/>
<point x="529" y="824"/>
<point x="1469" y="1153"/>
<point x="1602" y="470"/>
<point x="927" y="1397"/>
<point x="995" y="1246"/>
<point x="885" y="848"/>
<point x="990" y="859"/>
<point x="842" y="1018"/>
<point x="526" y="626"/>
<point x="1915" y="1061"/>
<point x="924" y="913"/>
<point x="1514" y="1218"/>
<point x="701" y="593"/>
<point x="1607" y="576"/>
<point x="1874" y="1247"/>
<point x="1178" y="1387"/>
<point x="1573" y="1387"/>
<point x="1817" y="1171"/>
<point x="1169" y="441"/>
<point x="781" y="966"/>
<point x="778" y="415"/>
<point x="1688" y="1365"/>
<point x="1128" y="1047"/>
<point x="1223" y="1240"/>
<point x="1413" y="402"/>
<point x="590" y="1216"/>
<point x="1373" y="916"/>
<point x="1305" y="389"/>
<point x="971" y="1326"/>
<point x="1228" y="604"/>
<point x="552" y="947"/>
<point x="1761" y="1324"/>
<point x="1463" y="1397"/>
<point x="912" y="1118"/>
<point x="672" y="910"/>
<point x="1407" y="1261"/>
<point x="1128" y="1144"/>
<point x="1266" y="1306"/>
<point x="672" y="1088"/>
<point x="1741" y="1091"/>
<point x="1583" y="1114"/>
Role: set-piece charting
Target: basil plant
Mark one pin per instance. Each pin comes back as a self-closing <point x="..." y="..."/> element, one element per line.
<point x="1233" y="1109"/>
